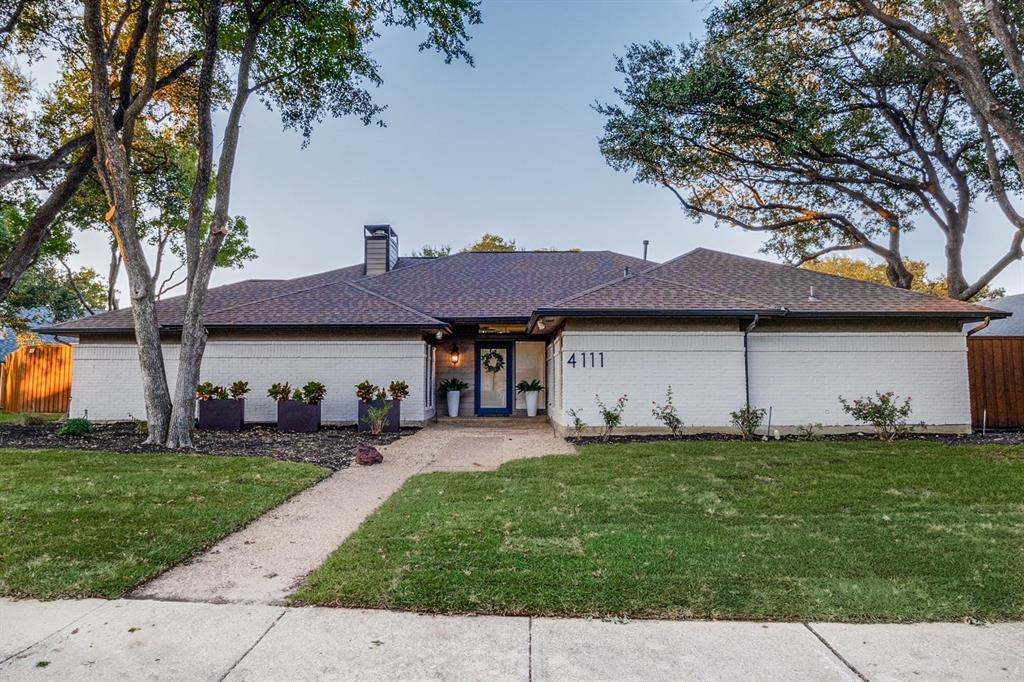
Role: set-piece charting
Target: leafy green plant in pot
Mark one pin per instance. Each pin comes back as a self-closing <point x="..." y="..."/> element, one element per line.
<point x="453" y="388"/>
<point x="531" y="390"/>
<point x="220" y="408"/>
<point x="376" y="413"/>
<point x="298" y="411"/>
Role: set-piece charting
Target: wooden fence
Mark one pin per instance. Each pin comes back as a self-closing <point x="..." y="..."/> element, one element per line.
<point x="37" y="379"/>
<point x="996" y="367"/>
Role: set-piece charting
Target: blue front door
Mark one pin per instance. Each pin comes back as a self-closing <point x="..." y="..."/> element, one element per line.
<point x="493" y="378"/>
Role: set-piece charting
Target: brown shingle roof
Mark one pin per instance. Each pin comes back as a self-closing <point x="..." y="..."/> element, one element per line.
<point x="707" y="281"/>
<point x="512" y="286"/>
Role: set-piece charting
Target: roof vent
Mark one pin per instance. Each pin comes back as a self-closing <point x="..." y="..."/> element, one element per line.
<point x="811" y="298"/>
<point x="625" y="271"/>
<point x="647" y="242"/>
<point x="380" y="251"/>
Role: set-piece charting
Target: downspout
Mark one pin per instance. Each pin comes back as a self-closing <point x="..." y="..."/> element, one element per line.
<point x="746" y="357"/>
<point x="984" y="323"/>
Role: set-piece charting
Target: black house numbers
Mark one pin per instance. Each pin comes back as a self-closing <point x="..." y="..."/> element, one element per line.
<point x="586" y="360"/>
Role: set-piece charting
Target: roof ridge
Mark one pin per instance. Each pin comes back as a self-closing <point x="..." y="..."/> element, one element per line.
<point x="277" y="296"/>
<point x="393" y="302"/>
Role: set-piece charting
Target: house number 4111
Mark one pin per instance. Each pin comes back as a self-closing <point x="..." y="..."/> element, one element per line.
<point x="586" y="360"/>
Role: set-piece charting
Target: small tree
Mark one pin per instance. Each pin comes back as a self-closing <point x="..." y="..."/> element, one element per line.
<point x="884" y="412"/>
<point x="611" y="416"/>
<point x="667" y="414"/>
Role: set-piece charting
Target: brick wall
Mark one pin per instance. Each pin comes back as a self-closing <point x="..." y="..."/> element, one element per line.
<point x="107" y="380"/>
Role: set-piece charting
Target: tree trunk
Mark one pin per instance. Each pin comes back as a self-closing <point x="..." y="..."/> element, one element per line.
<point x="113" y="168"/>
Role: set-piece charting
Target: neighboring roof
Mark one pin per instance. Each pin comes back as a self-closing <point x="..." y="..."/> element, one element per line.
<point x="705" y="282"/>
<point x="515" y="286"/>
<point x="1010" y="326"/>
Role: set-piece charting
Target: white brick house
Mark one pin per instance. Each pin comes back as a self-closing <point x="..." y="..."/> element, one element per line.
<point x="722" y="330"/>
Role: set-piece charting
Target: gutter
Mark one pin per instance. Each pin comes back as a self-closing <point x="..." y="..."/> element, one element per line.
<point x="746" y="358"/>
<point x="984" y="323"/>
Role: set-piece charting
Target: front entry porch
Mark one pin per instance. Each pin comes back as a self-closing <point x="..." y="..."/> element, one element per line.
<point x="490" y="365"/>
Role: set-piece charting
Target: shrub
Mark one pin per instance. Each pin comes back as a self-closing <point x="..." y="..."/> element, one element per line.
<point x="280" y="391"/>
<point x="611" y="416"/>
<point x="239" y="390"/>
<point x="75" y="427"/>
<point x="208" y="391"/>
<point x="531" y="385"/>
<point x="884" y="412"/>
<point x="313" y="392"/>
<point x="365" y="390"/>
<point x="381" y="395"/>
<point x="452" y="385"/>
<point x="377" y="418"/>
<point x="810" y="432"/>
<point x="667" y="414"/>
<point x="29" y="419"/>
<point x="399" y="390"/>
<point x="748" y="419"/>
<point x="577" y="422"/>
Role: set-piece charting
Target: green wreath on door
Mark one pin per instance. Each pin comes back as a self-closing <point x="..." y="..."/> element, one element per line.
<point x="492" y="361"/>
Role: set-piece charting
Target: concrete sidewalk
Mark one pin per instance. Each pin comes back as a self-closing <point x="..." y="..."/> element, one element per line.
<point x="156" y="640"/>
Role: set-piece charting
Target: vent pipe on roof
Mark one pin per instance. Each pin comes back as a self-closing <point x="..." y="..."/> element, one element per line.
<point x="811" y="297"/>
<point x="646" y="243"/>
<point x="625" y="271"/>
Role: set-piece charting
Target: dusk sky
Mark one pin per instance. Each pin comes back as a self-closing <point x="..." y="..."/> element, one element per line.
<point x="509" y="147"/>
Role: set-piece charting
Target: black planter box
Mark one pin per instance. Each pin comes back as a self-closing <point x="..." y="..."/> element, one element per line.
<point x="295" y="416"/>
<point x="394" y="414"/>
<point x="221" y="415"/>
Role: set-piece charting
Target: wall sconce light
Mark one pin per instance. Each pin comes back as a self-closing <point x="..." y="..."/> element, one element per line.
<point x="455" y="355"/>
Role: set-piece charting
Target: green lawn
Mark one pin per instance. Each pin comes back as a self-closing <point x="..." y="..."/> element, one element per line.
<point x="76" y="524"/>
<point x="19" y="418"/>
<point x="859" y="531"/>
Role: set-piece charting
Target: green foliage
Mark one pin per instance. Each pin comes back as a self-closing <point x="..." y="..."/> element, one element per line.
<point x="748" y="420"/>
<point x="96" y="524"/>
<point x="531" y="385"/>
<point x="452" y="384"/>
<point x="667" y="413"/>
<point x="428" y="251"/>
<point x="491" y="242"/>
<point x="884" y="412"/>
<point x="76" y="426"/>
<point x="811" y="432"/>
<point x="209" y="391"/>
<point x="365" y="390"/>
<point x="280" y="391"/>
<point x="398" y="390"/>
<point x="611" y="416"/>
<point x="239" y="390"/>
<point x="837" y="531"/>
<point x="377" y="418"/>
<point x="578" y="423"/>
<point x="313" y="392"/>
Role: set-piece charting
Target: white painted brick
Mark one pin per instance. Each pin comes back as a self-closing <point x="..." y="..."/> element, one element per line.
<point x="107" y="380"/>
<point x="802" y="375"/>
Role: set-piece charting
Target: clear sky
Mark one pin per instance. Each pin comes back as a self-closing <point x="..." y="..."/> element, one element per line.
<point x="509" y="146"/>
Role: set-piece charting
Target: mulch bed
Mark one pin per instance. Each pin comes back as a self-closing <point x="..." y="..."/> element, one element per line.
<point x="976" y="438"/>
<point x="331" y="447"/>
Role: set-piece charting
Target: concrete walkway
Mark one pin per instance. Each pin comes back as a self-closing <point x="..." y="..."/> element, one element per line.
<point x="154" y="640"/>
<point x="264" y="562"/>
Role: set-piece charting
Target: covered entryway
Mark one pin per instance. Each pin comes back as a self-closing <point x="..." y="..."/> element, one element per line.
<point x="490" y="363"/>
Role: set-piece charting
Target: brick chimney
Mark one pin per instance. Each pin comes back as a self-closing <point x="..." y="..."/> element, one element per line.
<point x="380" y="251"/>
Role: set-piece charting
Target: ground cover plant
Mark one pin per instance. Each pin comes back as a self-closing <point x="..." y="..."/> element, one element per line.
<point x="77" y="523"/>
<point x="847" y="531"/>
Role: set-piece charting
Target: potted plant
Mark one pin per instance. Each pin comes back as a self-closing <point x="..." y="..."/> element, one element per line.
<point x="222" y="409"/>
<point x="298" y="412"/>
<point x="376" y="413"/>
<point x="453" y="388"/>
<point x="530" y="390"/>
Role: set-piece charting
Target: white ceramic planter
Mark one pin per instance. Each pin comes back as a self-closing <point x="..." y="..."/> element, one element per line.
<point x="531" y="402"/>
<point x="453" y="403"/>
